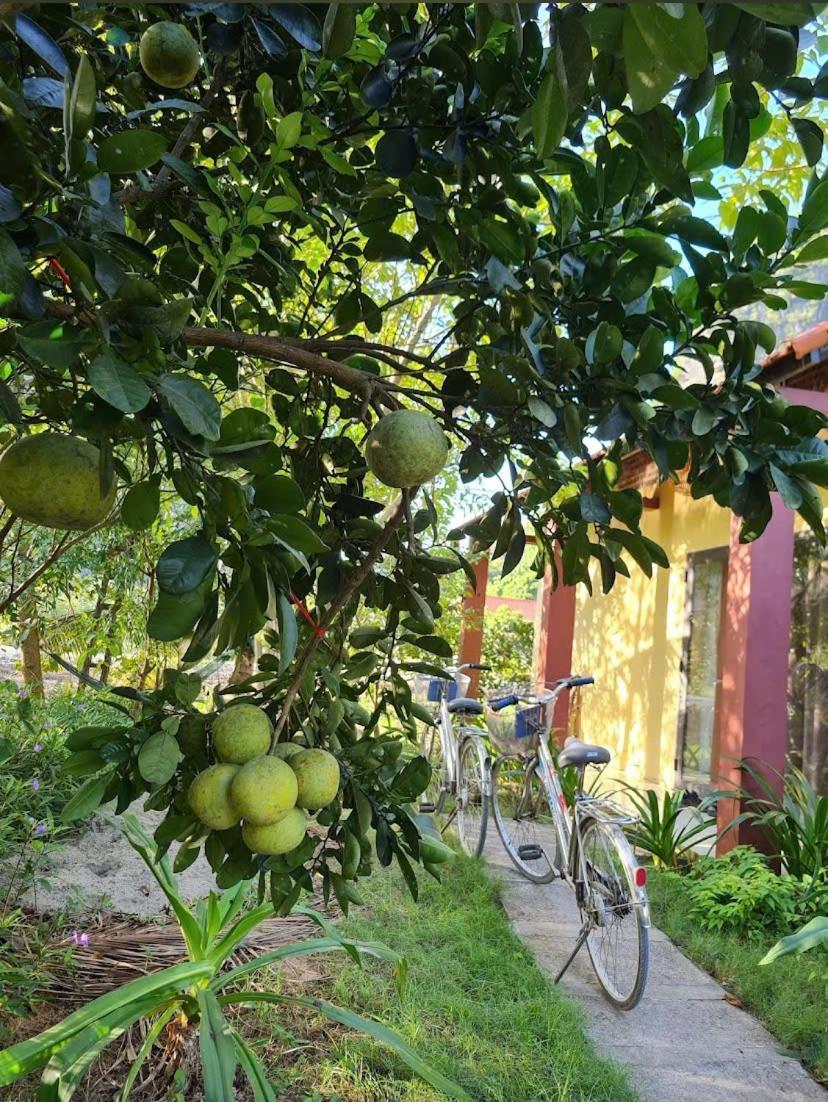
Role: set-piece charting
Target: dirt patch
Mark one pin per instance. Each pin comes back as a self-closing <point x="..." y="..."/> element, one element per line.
<point x="100" y="871"/>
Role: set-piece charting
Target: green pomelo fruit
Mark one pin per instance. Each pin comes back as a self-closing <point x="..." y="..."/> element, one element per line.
<point x="264" y="790"/>
<point x="209" y="797"/>
<point x="406" y="448"/>
<point x="169" y="54"/>
<point x="54" y="481"/>
<point x="137" y="291"/>
<point x="434" y="852"/>
<point x="317" y="773"/>
<point x="279" y="837"/>
<point x="285" y="750"/>
<point x="241" y="734"/>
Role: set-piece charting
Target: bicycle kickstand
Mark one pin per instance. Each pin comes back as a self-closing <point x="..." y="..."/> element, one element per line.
<point x="578" y="945"/>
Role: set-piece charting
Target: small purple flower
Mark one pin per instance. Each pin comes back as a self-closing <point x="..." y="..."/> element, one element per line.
<point x="37" y="747"/>
<point x="40" y="829"/>
<point x="79" y="938"/>
<point x="35" y="784"/>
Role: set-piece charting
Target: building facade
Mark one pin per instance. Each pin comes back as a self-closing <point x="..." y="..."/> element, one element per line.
<point x="720" y="658"/>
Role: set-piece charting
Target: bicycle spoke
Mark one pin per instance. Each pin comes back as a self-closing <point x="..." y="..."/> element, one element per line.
<point x="470" y="801"/>
<point x="523" y="820"/>
<point x="617" y="941"/>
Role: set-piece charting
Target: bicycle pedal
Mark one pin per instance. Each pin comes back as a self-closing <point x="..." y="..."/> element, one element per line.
<point x="427" y="809"/>
<point x="530" y="853"/>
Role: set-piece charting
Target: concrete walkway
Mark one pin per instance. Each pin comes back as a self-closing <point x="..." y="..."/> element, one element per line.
<point x="683" y="1042"/>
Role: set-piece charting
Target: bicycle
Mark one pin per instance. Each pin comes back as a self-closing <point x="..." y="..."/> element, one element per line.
<point x="583" y="844"/>
<point x="459" y="762"/>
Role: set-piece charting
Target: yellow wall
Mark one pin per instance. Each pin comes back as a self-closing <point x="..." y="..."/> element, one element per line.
<point x="631" y="640"/>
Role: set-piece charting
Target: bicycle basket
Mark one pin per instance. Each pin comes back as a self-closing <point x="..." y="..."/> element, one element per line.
<point x="427" y="689"/>
<point x="517" y="732"/>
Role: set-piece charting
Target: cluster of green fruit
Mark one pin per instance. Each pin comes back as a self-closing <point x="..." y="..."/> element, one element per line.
<point x="270" y="795"/>
<point x="55" y="480"/>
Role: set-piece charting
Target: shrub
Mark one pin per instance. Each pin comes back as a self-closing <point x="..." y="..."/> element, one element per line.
<point x="740" y="893"/>
<point x="663" y="830"/>
<point x="795" y="823"/>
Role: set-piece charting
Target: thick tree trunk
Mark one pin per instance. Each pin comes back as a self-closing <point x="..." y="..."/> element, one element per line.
<point x="30" y="648"/>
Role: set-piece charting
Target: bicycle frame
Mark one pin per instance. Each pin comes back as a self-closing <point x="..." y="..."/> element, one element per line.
<point x="451" y="744"/>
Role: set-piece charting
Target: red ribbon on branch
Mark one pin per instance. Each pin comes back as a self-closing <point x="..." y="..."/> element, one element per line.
<point x="56" y="266"/>
<point x="318" y="631"/>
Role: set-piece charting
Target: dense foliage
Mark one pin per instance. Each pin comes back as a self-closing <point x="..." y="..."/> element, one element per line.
<point x="491" y="213"/>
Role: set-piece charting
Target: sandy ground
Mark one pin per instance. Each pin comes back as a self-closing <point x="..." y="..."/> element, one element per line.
<point x="100" y="871"/>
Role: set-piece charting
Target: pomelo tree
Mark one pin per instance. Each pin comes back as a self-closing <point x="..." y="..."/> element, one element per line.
<point x="234" y="248"/>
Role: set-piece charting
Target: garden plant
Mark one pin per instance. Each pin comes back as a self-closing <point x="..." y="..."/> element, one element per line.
<point x="271" y="277"/>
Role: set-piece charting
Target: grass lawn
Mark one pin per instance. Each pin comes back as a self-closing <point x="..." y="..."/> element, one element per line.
<point x="476" y="1006"/>
<point x="789" y="996"/>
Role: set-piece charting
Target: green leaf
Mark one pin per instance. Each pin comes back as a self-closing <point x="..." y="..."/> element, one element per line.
<point x="792" y="13"/>
<point x="185" y="564"/>
<point x="501" y="238"/>
<point x="549" y="113"/>
<point x="254" y="1070"/>
<point x="158" y="758"/>
<point x="810" y="138"/>
<point x="82" y="99"/>
<point x="362" y="1025"/>
<point x="296" y="535"/>
<point x="117" y="382"/>
<point x="174" y="617"/>
<point x="87" y="798"/>
<point x="387" y="246"/>
<point x="13" y="271"/>
<point x="650" y="75"/>
<point x="288" y="632"/>
<point x="24" y="1057"/>
<point x="807" y="937"/>
<point x="656" y="138"/>
<point x="338" y="30"/>
<point x="736" y="134"/>
<point x="198" y="409"/>
<point x="542" y="411"/>
<point x="140" y="505"/>
<point x="278" y="494"/>
<point x="131" y="151"/>
<point x="594" y="509"/>
<point x="289" y="130"/>
<point x="217" y="1050"/>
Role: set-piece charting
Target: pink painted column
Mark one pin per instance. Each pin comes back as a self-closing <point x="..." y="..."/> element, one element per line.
<point x="471" y="623"/>
<point x="556" y="635"/>
<point x="753" y="703"/>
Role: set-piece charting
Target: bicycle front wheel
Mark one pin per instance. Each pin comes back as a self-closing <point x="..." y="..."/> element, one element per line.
<point x="616" y="909"/>
<point x="523" y="820"/>
<point x="431" y="748"/>
<point x="472" y="803"/>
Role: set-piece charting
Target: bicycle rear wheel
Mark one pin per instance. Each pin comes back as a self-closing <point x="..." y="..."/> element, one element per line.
<point x="431" y="748"/>
<point x="471" y="800"/>
<point x="616" y="908"/>
<point x="523" y="820"/>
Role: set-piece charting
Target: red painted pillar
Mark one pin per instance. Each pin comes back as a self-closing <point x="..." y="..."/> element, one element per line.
<point x="753" y="715"/>
<point x="556" y="633"/>
<point x="471" y="623"/>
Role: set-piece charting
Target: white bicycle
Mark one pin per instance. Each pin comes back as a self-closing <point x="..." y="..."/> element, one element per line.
<point x="459" y="789"/>
<point x="581" y="841"/>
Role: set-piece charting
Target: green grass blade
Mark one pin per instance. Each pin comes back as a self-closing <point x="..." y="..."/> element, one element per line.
<point x="27" y="1055"/>
<point x="239" y="931"/>
<point x="218" y="1052"/>
<point x="355" y="1021"/>
<point x="253" y="1069"/>
<point x="810" y="935"/>
<point x="162" y="871"/>
<point x="143" y="1053"/>
<point x="304" y="948"/>
<point x="64" y="1072"/>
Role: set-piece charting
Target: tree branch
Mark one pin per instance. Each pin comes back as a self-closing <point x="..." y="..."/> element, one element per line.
<point x="63" y="545"/>
<point x="163" y="181"/>
<point x="343" y="597"/>
<point x="273" y="348"/>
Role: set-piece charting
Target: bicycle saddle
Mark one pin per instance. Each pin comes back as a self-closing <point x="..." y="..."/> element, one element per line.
<point x="464" y="705"/>
<point x="581" y="753"/>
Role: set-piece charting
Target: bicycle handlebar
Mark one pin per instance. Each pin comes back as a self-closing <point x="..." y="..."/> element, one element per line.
<point x="504" y="702"/>
<point x="499" y="703"/>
